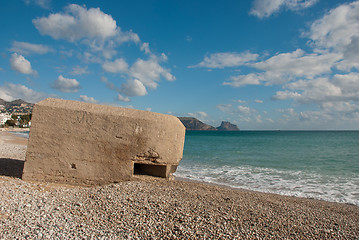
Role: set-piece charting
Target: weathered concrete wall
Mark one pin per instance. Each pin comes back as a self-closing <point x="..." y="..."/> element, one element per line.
<point x="81" y="143"/>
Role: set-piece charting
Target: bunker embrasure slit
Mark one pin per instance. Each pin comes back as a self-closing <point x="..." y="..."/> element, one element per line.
<point x="150" y="170"/>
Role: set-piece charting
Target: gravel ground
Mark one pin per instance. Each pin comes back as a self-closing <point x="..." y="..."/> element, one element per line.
<point x="10" y="147"/>
<point x="12" y="154"/>
<point x="13" y="151"/>
<point x="160" y="209"/>
<point x="165" y="210"/>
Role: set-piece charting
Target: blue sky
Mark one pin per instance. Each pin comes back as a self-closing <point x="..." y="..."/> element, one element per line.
<point x="262" y="64"/>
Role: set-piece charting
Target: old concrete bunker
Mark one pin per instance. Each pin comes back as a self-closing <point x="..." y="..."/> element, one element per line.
<point x="88" y="144"/>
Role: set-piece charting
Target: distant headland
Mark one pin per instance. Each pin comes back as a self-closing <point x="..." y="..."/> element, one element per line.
<point x="19" y="107"/>
<point x="193" y="124"/>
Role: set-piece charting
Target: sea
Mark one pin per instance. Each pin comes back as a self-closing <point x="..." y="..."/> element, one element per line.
<point x="311" y="164"/>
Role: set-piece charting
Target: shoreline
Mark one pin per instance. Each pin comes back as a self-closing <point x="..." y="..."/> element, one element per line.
<point x="8" y="138"/>
<point x="182" y="179"/>
<point x="14" y="129"/>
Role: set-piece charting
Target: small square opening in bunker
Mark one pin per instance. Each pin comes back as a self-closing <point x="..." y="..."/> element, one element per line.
<point x="149" y="169"/>
<point x="154" y="170"/>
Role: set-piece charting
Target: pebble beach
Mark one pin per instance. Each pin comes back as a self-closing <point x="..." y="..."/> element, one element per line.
<point x="157" y="209"/>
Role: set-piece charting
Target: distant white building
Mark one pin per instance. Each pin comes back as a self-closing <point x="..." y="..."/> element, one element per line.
<point x="4" y="117"/>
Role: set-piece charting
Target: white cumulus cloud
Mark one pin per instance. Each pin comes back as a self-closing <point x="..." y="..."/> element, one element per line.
<point x="266" y="8"/>
<point x="337" y="28"/>
<point x="66" y="84"/>
<point x="239" y="101"/>
<point x="20" y="64"/>
<point x="142" y="75"/>
<point x="127" y="37"/>
<point x="350" y="56"/>
<point x="330" y="114"/>
<point x="133" y="88"/>
<point x="227" y="59"/>
<point x="122" y="98"/>
<point x="282" y="95"/>
<point x="241" y="113"/>
<point x="87" y="99"/>
<point x="298" y="64"/>
<point x="78" y="70"/>
<point x="28" y="48"/>
<point x="99" y="37"/>
<point x="77" y="23"/>
<point x="10" y="92"/>
<point x="244" y="109"/>
<point x="242" y="80"/>
<point x="285" y="67"/>
<point x="93" y="27"/>
<point x="149" y="72"/>
<point x="339" y="88"/>
<point x="146" y="48"/>
<point x="42" y="3"/>
<point x="199" y="115"/>
<point x="338" y="31"/>
<point x="226" y="108"/>
<point x="118" y="66"/>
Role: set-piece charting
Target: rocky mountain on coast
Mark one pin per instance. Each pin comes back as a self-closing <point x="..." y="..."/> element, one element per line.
<point x="193" y="124"/>
<point x="17" y="102"/>
<point x="227" y="126"/>
<point x="16" y="106"/>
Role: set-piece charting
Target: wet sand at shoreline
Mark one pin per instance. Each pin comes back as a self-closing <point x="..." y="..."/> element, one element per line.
<point x="7" y="137"/>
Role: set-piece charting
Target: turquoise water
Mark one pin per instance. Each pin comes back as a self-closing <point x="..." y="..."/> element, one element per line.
<point x="313" y="164"/>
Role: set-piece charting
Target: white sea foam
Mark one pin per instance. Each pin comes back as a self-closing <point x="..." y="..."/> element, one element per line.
<point x="285" y="182"/>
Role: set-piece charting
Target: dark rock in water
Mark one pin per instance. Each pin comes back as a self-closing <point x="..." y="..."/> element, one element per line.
<point x="193" y="124"/>
<point x="227" y="126"/>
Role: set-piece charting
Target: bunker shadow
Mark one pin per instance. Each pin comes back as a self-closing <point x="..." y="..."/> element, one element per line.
<point x="11" y="167"/>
